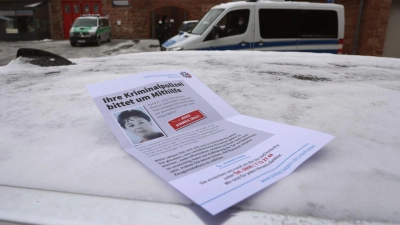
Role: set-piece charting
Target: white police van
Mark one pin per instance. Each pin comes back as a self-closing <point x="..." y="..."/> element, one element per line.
<point x="90" y="28"/>
<point x="269" y="25"/>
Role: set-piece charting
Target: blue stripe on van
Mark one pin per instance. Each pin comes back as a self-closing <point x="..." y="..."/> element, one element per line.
<point x="332" y="51"/>
<point x="232" y="47"/>
<point x="291" y="43"/>
<point x="282" y="44"/>
<point x="200" y="49"/>
<point x="275" y="44"/>
<point x="318" y="42"/>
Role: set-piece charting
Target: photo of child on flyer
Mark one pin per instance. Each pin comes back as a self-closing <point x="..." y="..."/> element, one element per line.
<point x="138" y="122"/>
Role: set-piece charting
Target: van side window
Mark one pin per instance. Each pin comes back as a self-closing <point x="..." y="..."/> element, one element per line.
<point x="234" y="23"/>
<point x="327" y="26"/>
<point x="292" y="23"/>
<point x="278" y="23"/>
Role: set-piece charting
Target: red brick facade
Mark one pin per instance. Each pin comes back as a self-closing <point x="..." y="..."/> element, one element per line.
<point x="135" y="20"/>
<point x="373" y="27"/>
<point x="56" y="20"/>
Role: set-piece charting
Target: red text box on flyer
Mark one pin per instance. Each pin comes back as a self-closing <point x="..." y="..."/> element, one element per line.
<point x="186" y="119"/>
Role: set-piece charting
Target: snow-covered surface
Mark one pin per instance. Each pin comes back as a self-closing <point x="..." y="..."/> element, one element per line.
<point x="8" y="50"/>
<point x="53" y="137"/>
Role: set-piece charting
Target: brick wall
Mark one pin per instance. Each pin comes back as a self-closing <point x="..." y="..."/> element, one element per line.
<point x="123" y="14"/>
<point x="351" y="10"/>
<point x="135" y="20"/>
<point x="141" y="12"/>
<point x="373" y="27"/>
<point x="56" y="20"/>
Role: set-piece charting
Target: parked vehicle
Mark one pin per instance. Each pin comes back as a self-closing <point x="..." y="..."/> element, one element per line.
<point x="90" y="29"/>
<point x="266" y="26"/>
<point x="187" y="26"/>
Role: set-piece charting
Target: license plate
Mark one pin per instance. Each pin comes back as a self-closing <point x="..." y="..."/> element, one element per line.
<point x="81" y="41"/>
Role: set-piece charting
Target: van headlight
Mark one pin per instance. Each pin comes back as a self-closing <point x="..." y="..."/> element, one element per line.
<point x="92" y="33"/>
<point x="175" y="49"/>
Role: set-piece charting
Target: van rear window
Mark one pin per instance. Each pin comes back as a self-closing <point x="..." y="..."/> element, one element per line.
<point x="293" y="23"/>
<point x="318" y="24"/>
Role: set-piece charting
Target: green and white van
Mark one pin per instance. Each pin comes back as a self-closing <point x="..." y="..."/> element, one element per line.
<point x="90" y="29"/>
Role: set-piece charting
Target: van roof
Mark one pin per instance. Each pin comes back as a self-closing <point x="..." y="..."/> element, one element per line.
<point x="92" y="16"/>
<point x="277" y="3"/>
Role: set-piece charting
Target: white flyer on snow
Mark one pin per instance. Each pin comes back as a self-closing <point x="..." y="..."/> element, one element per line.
<point x="190" y="137"/>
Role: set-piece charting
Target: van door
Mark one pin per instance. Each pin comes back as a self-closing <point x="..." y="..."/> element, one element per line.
<point x="276" y="27"/>
<point x="104" y="29"/>
<point x="235" y="30"/>
<point x="321" y="37"/>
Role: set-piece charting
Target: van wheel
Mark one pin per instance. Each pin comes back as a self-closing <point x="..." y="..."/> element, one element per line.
<point x="109" y="37"/>
<point x="98" y="41"/>
<point x="73" y="43"/>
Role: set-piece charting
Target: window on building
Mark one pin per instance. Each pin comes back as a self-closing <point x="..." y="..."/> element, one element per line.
<point x="26" y="24"/>
<point x="11" y="25"/>
<point x="8" y="22"/>
<point x="77" y="9"/>
<point x="67" y="9"/>
<point x="86" y="8"/>
<point x="25" y="21"/>
<point x="96" y="9"/>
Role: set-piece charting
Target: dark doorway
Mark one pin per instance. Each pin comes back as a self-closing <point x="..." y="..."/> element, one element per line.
<point x="175" y="15"/>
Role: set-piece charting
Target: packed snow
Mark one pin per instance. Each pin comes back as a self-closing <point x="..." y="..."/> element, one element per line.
<point x="54" y="138"/>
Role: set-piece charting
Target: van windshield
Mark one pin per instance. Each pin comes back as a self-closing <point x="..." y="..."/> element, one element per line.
<point x="207" y="20"/>
<point x="85" y="22"/>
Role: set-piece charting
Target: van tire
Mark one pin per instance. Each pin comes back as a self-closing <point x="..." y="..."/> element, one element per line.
<point x="98" y="41"/>
<point x="109" y="38"/>
<point x="73" y="43"/>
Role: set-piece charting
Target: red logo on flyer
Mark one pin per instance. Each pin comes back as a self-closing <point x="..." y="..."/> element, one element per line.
<point x="186" y="119"/>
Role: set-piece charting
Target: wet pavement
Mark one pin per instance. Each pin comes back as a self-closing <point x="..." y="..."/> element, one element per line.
<point x="8" y="49"/>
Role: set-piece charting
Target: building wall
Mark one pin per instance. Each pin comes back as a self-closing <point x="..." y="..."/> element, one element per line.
<point x="56" y="20"/>
<point x="392" y="47"/>
<point x="373" y="27"/>
<point x="135" y="20"/>
<point x="140" y="11"/>
<point x="123" y="14"/>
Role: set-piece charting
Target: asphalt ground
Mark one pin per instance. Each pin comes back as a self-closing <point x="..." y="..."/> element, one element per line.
<point x="8" y="49"/>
